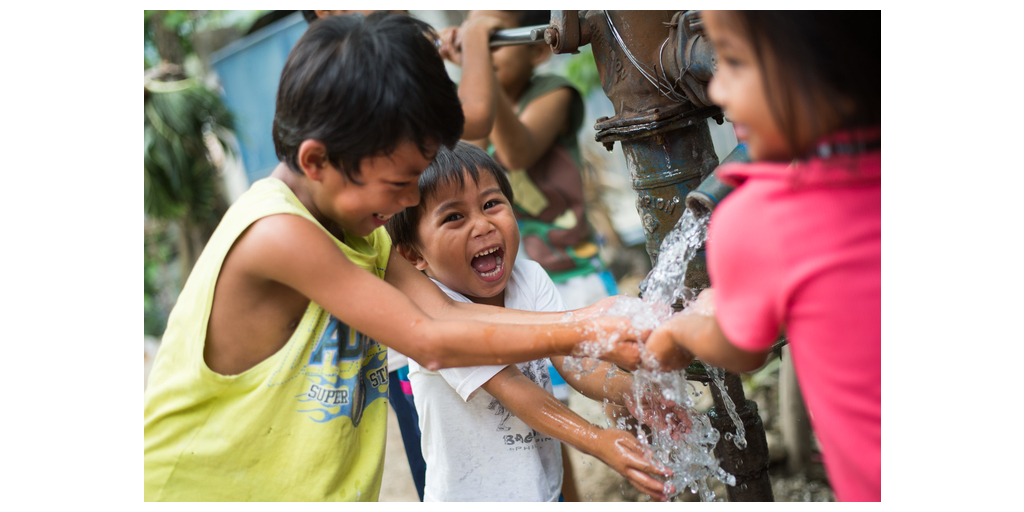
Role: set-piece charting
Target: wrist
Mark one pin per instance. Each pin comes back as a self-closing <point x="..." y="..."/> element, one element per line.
<point x="477" y="34"/>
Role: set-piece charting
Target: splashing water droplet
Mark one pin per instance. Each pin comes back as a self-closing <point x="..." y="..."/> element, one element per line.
<point x="682" y="439"/>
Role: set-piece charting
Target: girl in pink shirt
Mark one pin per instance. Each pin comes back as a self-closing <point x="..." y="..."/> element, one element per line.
<point x="796" y="248"/>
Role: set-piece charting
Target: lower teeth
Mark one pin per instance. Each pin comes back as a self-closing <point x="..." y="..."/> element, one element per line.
<point x="497" y="267"/>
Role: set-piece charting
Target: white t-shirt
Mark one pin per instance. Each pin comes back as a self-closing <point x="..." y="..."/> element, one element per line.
<point x="475" y="449"/>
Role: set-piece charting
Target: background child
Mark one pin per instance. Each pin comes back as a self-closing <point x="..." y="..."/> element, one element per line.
<point x="269" y="384"/>
<point x="488" y="430"/>
<point x="797" y="246"/>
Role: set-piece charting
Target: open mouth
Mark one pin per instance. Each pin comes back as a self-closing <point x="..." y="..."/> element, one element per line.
<point x="381" y="218"/>
<point x="489" y="262"/>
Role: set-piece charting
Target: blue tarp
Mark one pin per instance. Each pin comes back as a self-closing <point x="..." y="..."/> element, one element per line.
<point x="249" y="70"/>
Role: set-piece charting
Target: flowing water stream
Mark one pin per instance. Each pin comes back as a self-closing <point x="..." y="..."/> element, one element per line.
<point x="682" y="438"/>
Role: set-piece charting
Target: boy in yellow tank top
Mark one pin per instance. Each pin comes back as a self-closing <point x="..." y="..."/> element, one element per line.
<point x="269" y="384"/>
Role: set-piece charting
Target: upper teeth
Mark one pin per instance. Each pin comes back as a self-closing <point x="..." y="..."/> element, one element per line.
<point x="485" y="253"/>
<point x="382" y="217"/>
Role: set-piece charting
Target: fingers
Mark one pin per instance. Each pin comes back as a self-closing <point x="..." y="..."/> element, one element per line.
<point x="625" y="354"/>
<point x="449" y="49"/>
<point x="663" y="354"/>
<point x="646" y="484"/>
<point x="640" y="471"/>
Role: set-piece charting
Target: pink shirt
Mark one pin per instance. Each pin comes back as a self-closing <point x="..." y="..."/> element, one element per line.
<point x="797" y="248"/>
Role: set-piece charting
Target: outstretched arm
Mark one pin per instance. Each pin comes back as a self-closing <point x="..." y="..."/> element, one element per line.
<point x="695" y="333"/>
<point x="585" y="326"/>
<point x="544" y="413"/>
<point x="605" y="382"/>
<point x="297" y="253"/>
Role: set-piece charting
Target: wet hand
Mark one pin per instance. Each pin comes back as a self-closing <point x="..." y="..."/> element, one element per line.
<point x="661" y="414"/>
<point x="662" y="351"/>
<point x="704" y="303"/>
<point x="623" y="453"/>
<point x="597" y="308"/>
<point x="612" y="339"/>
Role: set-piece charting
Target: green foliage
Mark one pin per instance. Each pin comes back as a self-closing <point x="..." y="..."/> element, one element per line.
<point x="582" y="71"/>
<point x="180" y="180"/>
<point x="186" y="23"/>
<point x="158" y="286"/>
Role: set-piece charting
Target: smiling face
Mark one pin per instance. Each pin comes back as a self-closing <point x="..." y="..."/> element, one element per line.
<point x="388" y="184"/>
<point x="738" y="87"/>
<point x="468" y="239"/>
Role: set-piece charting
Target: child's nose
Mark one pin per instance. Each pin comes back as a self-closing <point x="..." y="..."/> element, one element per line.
<point x="715" y="92"/>
<point x="482" y="226"/>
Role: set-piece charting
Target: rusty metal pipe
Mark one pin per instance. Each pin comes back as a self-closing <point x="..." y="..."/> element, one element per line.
<point x="712" y="190"/>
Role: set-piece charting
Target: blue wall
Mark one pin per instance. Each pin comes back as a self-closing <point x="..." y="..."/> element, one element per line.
<point x="249" y="71"/>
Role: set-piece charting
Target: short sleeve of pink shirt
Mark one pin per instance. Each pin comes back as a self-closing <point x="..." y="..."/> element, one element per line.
<point x="796" y="248"/>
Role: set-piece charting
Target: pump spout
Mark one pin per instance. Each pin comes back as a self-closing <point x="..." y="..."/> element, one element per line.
<point x="712" y="190"/>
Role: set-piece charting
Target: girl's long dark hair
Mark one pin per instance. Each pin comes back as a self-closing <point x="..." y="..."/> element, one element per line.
<point x="811" y="59"/>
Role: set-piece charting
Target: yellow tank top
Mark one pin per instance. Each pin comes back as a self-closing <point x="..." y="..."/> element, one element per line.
<point x="308" y="423"/>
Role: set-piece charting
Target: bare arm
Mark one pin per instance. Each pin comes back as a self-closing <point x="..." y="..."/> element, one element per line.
<point x="297" y="253"/>
<point x="469" y="46"/>
<point x="605" y="382"/>
<point x="686" y="335"/>
<point x="608" y="382"/>
<point x="520" y="141"/>
<point x="586" y="322"/>
<point x="544" y="413"/>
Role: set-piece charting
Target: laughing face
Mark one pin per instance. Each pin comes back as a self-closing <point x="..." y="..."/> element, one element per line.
<point x="468" y="239"/>
<point x="388" y="184"/>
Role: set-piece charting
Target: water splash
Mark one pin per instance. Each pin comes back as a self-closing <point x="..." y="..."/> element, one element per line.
<point x="718" y="377"/>
<point x="682" y="438"/>
<point x="665" y="283"/>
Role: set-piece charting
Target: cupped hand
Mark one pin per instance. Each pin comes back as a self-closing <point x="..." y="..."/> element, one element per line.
<point x="623" y="453"/>
<point x="661" y="414"/>
<point x="661" y="350"/>
<point x="597" y="308"/>
<point x="612" y="339"/>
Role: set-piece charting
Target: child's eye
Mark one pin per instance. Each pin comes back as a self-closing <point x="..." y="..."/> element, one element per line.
<point x="451" y="218"/>
<point x="733" y="62"/>
<point x="400" y="184"/>
<point x="491" y="204"/>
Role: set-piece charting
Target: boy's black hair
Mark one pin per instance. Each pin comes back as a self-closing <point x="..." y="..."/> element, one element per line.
<point x="450" y="167"/>
<point x="530" y="18"/>
<point x="822" y="55"/>
<point x="361" y="86"/>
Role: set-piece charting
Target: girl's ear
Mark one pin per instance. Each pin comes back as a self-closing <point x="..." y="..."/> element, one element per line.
<point x="412" y="256"/>
<point x="312" y="159"/>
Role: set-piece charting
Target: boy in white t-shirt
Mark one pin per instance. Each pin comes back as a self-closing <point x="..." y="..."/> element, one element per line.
<point x="491" y="433"/>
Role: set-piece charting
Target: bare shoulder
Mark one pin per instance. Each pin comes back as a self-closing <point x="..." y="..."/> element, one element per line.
<point x="274" y="237"/>
<point x="548" y="115"/>
<point x="257" y="303"/>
